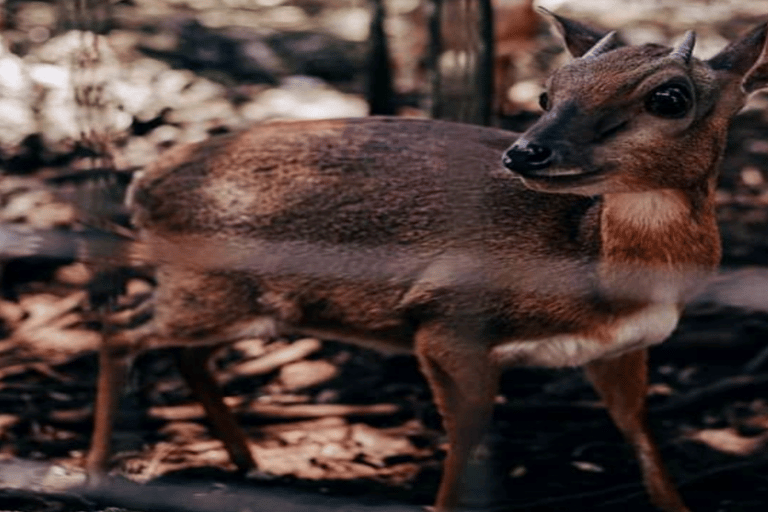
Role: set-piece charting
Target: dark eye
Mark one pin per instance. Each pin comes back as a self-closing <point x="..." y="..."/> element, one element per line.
<point x="672" y="101"/>
<point x="544" y="101"/>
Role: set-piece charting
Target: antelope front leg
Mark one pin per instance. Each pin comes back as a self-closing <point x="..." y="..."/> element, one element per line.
<point x="622" y="383"/>
<point x="192" y="363"/>
<point x="464" y="382"/>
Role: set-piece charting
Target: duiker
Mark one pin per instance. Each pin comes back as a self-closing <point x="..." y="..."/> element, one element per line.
<point x="574" y="246"/>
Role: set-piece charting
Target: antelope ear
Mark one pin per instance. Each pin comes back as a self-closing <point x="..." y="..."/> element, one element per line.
<point x="746" y="58"/>
<point x="757" y="76"/>
<point x="579" y="38"/>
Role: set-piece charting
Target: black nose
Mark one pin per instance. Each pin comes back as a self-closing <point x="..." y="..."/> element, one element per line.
<point x="528" y="157"/>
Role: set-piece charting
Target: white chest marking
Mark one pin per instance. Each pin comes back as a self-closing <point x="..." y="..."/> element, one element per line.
<point x="647" y="210"/>
<point x="647" y="327"/>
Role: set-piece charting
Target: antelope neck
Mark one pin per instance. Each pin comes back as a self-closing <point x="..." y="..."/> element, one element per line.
<point x="655" y="244"/>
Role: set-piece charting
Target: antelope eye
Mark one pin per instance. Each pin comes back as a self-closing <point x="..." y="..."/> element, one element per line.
<point x="671" y="101"/>
<point x="544" y="101"/>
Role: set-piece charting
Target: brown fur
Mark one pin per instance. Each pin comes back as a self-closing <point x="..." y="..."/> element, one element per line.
<point x="410" y="234"/>
<point x="450" y="203"/>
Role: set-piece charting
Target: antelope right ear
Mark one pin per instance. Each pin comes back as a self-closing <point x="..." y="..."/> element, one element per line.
<point x="746" y="59"/>
<point x="579" y="38"/>
<point x="757" y="76"/>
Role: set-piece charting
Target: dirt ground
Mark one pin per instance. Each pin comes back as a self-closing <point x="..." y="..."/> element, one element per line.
<point x="333" y="427"/>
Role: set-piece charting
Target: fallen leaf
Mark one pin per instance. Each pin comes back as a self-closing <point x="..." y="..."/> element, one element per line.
<point x="306" y="374"/>
<point x="590" y="467"/>
<point x="728" y="440"/>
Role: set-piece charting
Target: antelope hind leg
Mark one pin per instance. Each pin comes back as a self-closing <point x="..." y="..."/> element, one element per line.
<point x="464" y="381"/>
<point x="193" y="366"/>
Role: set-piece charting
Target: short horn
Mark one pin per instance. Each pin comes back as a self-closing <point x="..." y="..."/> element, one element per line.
<point x="602" y="46"/>
<point x="684" y="50"/>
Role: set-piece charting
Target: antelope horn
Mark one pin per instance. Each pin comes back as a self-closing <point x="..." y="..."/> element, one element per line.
<point x="602" y="46"/>
<point x="684" y="50"/>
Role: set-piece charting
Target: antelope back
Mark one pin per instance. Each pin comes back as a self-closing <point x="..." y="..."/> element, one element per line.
<point x="370" y="224"/>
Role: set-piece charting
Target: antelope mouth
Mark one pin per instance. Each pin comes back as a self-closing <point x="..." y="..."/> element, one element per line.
<point x="561" y="177"/>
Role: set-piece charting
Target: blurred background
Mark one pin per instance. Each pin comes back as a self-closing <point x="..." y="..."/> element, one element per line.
<point x="92" y="91"/>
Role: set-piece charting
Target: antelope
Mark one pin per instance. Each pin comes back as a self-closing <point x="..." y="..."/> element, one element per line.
<point x="576" y="245"/>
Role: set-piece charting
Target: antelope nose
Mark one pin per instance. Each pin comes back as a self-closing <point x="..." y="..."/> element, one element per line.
<point x="527" y="157"/>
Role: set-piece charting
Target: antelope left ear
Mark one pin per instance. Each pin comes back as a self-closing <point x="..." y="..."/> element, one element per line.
<point x="746" y="58"/>
<point x="578" y="37"/>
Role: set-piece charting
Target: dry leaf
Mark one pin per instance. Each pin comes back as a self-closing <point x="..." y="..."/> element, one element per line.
<point x="728" y="440"/>
<point x="11" y="313"/>
<point x="590" y="467"/>
<point x="273" y="360"/>
<point x="305" y="374"/>
<point x="660" y="389"/>
<point x="42" y="308"/>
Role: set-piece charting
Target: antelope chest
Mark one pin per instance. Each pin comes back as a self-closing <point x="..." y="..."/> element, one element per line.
<point x="644" y="328"/>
